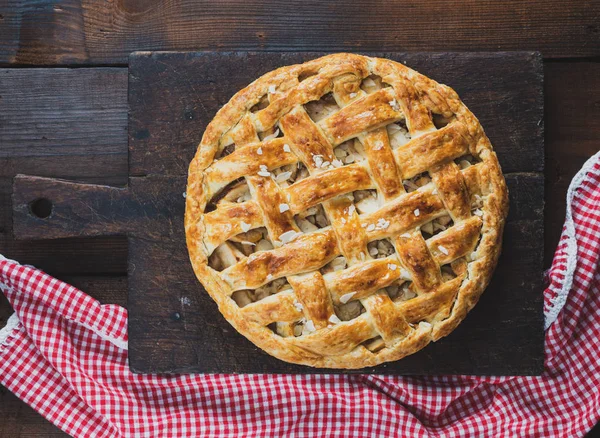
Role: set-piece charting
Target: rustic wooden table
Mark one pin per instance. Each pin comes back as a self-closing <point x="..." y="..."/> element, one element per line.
<point x="63" y="89"/>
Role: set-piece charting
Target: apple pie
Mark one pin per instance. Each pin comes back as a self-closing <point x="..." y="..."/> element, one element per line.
<point x="344" y="212"/>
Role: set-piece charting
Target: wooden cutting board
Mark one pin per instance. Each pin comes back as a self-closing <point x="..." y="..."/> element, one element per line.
<point x="174" y="326"/>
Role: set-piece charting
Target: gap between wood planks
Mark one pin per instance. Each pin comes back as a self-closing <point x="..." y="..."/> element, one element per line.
<point x="67" y="31"/>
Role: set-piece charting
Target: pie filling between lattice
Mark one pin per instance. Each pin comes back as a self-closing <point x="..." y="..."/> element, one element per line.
<point x="344" y="212"/>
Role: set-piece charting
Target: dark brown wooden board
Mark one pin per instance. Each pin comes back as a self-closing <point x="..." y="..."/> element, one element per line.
<point x="61" y="32"/>
<point x="172" y="98"/>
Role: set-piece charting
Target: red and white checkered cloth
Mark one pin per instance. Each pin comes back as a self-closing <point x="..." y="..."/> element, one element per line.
<point x="66" y="355"/>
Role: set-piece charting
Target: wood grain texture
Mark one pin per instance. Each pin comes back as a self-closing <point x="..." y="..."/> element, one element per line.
<point x="149" y="207"/>
<point x="75" y="210"/>
<point x="91" y="32"/>
<point x="64" y="122"/>
<point x="34" y="122"/>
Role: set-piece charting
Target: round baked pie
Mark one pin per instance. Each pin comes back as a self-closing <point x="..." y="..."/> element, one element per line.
<point x="344" y="212"/>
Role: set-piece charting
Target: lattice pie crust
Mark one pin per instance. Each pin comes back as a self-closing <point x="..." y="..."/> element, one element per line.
<point x="344" y="212"/>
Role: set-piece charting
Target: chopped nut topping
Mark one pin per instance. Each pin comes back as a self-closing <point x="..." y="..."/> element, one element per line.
<point x="288" y="236"/>
<point x="318" y="160"/>
<point x="272" y="136"/>
<point x="334" y="319"/>
<point x="264" y="171"/>
<point x="309" y="327"/>
<point x="283" y="176"/>
<point x="346" y="297"/>
<point x="382" y="224"/>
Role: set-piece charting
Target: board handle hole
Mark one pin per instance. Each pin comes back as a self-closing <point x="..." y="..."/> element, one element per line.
<point x="41" y="208"/>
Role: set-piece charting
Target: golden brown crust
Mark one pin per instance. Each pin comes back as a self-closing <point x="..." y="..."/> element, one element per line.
<point x="471" y="245"/>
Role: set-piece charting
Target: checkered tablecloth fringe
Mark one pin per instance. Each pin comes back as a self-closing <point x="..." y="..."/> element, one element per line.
<point x="65" y="354"/>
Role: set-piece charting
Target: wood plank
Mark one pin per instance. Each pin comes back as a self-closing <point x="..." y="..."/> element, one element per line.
<point x="89" y="32"/>
<point x="151" y="207"/>
<point x="102" y="255"/>
<point x="54" y="113"/>
<point x="72" y="209"/>
<point x="572" y="131"/>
